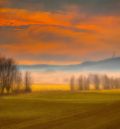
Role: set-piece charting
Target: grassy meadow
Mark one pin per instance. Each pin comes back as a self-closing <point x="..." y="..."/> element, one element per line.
<point x="61" y="110"/>
<point x="50" y="87"/>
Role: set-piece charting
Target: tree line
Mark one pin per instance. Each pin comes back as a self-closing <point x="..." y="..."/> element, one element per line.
<point x="95" y="81"/>
<point x="11" y="78"/>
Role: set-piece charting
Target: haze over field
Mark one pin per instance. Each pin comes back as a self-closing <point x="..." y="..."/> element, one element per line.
<point x="61" y="74"/>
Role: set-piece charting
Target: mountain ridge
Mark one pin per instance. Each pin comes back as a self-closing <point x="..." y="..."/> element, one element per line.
<point x="109" y="64"/>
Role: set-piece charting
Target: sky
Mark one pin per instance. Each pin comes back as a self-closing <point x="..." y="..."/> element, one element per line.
<point x="59" y="31"/>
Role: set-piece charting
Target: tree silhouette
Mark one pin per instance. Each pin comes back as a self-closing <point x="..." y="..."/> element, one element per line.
<point x="8" y="71"/>
<point x="80" y="83"/>
<point x="72" y="83"/>
<point x="27" y="82"/>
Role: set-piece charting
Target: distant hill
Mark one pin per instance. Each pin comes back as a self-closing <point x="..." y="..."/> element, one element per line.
<point x="110" y="64"/>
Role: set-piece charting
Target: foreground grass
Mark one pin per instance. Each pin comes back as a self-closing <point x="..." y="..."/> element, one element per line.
<point x="61" y="110"/>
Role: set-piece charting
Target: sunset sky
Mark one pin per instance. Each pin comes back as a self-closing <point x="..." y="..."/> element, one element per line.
<point x="59" y="31"/>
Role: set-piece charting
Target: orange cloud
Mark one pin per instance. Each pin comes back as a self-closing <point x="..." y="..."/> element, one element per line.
<point x="71" y="34"/>
<point x="19" y="17"/>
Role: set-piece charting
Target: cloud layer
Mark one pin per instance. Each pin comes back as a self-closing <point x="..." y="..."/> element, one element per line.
<point x="66" y="31"/>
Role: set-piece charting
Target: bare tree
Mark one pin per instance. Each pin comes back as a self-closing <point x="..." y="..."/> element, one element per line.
<point x="8" y="70"/>
<point x="86" y="83"/>
<point x="96" y="81"/>
<point x="106" y="82"/>
<point x="111" y="83"/>
<point x="18" y="83"/>
<point x="72" y="84"/>
<point x="117" y="83"/>
<point x="80" y="83"/>
<point x="11" y="78"/>
<point x="28" y="82"/>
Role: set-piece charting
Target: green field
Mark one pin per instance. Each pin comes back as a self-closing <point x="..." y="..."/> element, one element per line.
<point x="61" y="110"/>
